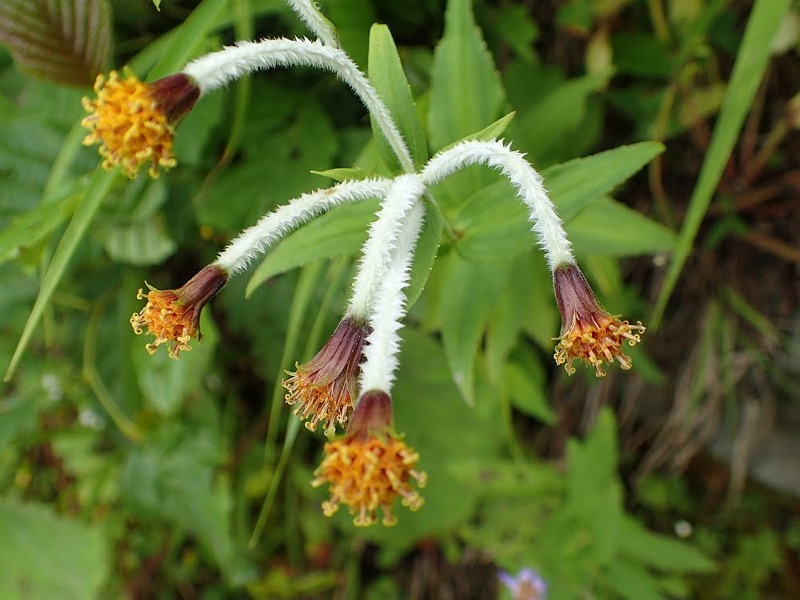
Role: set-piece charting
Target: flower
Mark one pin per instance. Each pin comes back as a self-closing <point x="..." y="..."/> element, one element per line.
<point x="588" y="333"/>
<point x="173" y="316"/>
<point x="370" y="466"/>
<point x="527" y="585"/>
<point x="133" y="121"/>
<point x="325" y="387"/>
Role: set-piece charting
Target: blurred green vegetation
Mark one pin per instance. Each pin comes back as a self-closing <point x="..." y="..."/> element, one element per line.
<point x="129" y="475"/>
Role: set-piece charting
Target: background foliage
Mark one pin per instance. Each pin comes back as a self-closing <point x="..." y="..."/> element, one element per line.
<point x="125" y="475"/>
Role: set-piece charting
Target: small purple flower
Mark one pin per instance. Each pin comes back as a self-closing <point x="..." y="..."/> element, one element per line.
<point x="527" y="585"/>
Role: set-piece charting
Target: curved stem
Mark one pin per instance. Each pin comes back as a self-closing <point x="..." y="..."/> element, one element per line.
<point x="219" y="68"/>
<point x="527" y="182"/>
<point x="256" y="240"/>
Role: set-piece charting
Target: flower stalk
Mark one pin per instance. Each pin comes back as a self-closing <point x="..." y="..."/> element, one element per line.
<point x="217" y="69"/>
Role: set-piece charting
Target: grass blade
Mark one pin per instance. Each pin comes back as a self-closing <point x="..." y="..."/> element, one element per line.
<point x="751" y="62"/>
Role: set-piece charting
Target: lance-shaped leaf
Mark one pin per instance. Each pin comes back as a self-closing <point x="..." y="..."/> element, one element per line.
<point x="66" y="41"/>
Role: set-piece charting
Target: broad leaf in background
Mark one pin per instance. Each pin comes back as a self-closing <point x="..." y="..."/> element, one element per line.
<point x="606" y="227"/>
<point x="29" y="229"/>
<point x="466" y="93"/>
<point x="573" y="185"/>
<point x="547" y="132"/>
<point x="167" y="383"/>
<point x="340" y="231"/>
<point x="386" y="74"/>
<point x="471" y="292"/>
<point x="594" y="493"/>
<point x="45" y="556"/>
<point x="172" y="478"/>
<point x="67" y="41"/>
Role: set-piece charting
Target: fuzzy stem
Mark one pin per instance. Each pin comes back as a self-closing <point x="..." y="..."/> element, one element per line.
<point x="219" y="68"/>
<point x="255" y="240"/>
<point x="383" y="343"/>
<point x="310" y="14"/>
<point x="528" y="183"/>
<point x="383" y="238"/>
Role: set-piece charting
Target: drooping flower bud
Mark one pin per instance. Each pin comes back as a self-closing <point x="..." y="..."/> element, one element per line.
<point x="326" y="387"/>
<point x="588" y="333"/>
<point x="134" y="121"/>
<point x="370" y="466"/>
<point x="173" y="316"/>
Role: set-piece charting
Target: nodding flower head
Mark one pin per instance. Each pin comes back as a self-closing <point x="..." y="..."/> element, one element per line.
<point x="589" y="333"/>
<point x="134" y="121"/>
<point x="527" y="585"/>
<point x="369" y="467"/>
<point x="173" y="316"/>
<point x="325" y="388"/>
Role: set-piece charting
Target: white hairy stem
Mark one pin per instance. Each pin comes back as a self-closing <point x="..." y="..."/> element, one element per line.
<point x="383" y="343"/>
<point x="546" y="224"/>
<point x="309" y="13"/>
<point x="256" y="240"/>
<point x="217" y="69"/>
<point x="384" y="233"/>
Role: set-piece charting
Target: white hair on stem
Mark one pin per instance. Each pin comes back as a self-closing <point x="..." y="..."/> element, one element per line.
<point x="527" y="182"/>
<point x="255" y="240"/>
<point x="383" y="343"/>
<point x="217" y="69"/>
<point x="309" y="13"/>
<point x="384" y="233"/>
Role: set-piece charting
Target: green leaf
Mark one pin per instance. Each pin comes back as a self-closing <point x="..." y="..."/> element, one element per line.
<point x="466" y="93"/>
<point x="66" y="41"/>
<point x="386" y="74"/>
<point x="139" y="243"/>
<point x="609" y="228"/>
<point x="95" y="193"/>
<point x="343" y="174"/>
<point x="511" y="312"/>
<point x="186" y="41"/>
<point x="575" y="184"/>
<point x="748" y="71"/>
<point x="45" y="556"/>
<point x="515" y="25"/>
<point x="29" y="229"/>
<point x="424" y="254"/>
<point x="488" y="133"/>
<point x="342" y="230"/>
<point x="594" y="494"/>
<point x="492" y="224"/>
<point x="659" y="551"/>
<point x="548" y="129"/>
<point x="640" y="53"/>
<point x="528" y="391"/>
<point x="632" y="582"/>
<point x="470" y="293"/>
<point x="172" y="478"/>
<point x="165" y="383"/>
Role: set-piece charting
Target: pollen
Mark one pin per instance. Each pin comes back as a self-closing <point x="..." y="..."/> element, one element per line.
<point x="130" y="125"/>
<point x="597" y="340"/>
<point x="166" y="318"/>
<point x="367" y="473"/>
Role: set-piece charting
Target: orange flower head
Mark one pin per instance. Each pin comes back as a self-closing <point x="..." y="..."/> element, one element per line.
<point x="369" y="467"/>
<point x="589" y="333"/>
<point x="133" y="121"/>
<point x="325" y="388"/>
<point x="173" y="316"/>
